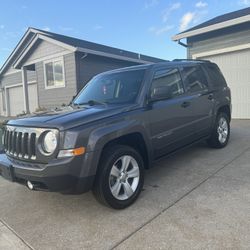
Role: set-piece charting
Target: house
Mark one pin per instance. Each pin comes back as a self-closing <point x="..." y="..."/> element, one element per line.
<point x="225" y="40"/>
<point x="46" y="69"/>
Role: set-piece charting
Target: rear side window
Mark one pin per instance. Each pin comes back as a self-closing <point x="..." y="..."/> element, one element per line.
<point x="170" y="78"/>
<point x="216" y="78"/>
<point x="194" y="79"/>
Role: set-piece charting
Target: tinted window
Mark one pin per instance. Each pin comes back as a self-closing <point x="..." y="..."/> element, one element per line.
<point x="170" y="78"/>
<point x="215" y="75"/>
<point x="121" y="87"/>
<point x="194" y="79"/>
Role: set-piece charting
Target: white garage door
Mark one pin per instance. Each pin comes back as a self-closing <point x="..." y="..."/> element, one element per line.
<point x="16" y="99"/>
<point x="235" y="66"/>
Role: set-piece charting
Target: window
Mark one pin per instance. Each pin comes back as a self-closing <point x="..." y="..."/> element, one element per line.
<point x="112" y="88"/>
<point x="194" y="79"/>
<point x="170" y="78"/>
<point x="54" y="73"/>
<point x="215" y="75"/>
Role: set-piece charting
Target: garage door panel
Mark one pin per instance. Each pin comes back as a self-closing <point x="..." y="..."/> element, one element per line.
<point x="235" y="66"/>
<point x="16" y="103"/>
<point x="16" y="99"/>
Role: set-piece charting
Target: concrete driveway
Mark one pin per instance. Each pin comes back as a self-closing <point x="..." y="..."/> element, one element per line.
<point x="197" y="199"/>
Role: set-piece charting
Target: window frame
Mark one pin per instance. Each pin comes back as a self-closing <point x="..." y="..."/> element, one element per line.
<point x="206" y="83"/>
<point x="167" y="68"/>
<point x="45" y="74"/>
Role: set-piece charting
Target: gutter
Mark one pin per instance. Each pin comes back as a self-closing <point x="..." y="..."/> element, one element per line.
<point x="212" y="27"/>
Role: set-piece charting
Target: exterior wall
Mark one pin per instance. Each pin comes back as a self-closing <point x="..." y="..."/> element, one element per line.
<point x="42" y="49"/>
<point x="92" y="65"/>
<point x="16" y="78"/>
<point x="55" y="97"/>
<point x="233" y="36"/>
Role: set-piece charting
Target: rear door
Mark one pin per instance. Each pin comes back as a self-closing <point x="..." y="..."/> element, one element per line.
<point x="171" y="119"/>
<point x="202" y="99"/>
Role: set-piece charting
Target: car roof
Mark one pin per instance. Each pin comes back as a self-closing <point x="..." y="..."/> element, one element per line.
<point x="174" y="63"/>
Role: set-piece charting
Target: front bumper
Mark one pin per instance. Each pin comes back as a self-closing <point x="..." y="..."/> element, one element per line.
<point x="60" y="175"/>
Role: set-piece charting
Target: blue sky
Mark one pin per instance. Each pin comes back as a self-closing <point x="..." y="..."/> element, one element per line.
<point x="143" y="26"/>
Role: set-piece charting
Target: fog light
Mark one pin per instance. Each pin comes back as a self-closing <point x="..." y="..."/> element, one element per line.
<point x="30" y="185"/>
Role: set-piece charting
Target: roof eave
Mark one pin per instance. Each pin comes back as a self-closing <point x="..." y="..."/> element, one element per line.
<point x="110" y="55"/>
<point x="213" y="27"/>
<point x="29" y="30"/>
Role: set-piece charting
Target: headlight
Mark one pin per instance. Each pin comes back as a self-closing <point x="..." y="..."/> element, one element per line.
<point x="49" y="142"/>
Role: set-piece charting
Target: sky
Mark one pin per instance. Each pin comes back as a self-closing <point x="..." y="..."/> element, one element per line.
<point x="142" y="26"/>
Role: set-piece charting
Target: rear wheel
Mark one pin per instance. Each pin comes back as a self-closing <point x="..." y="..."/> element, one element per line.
<point x="221" y="132"/>
<point x="120" y="177"/>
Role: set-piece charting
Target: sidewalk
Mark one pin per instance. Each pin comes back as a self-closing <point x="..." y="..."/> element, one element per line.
<point x="10" y="241"/>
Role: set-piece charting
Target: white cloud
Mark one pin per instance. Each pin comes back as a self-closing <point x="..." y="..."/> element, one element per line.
<point x="2" y="26"/>
<point x="46" y="28"/>
<point x="201" y="4"/>
<point x="151" y="3"/>
<point x="168" y="11"/>
<point x="98" y="27"/>
<point x="186" y="20"/>
<point x="244" y="2"/>
<point x="161" y="30"/>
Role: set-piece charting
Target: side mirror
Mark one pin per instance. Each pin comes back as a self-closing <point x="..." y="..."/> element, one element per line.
<point x="159" y="93"/>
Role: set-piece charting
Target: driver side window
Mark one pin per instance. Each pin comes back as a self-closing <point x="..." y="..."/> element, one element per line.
<point x="168" y="78"/>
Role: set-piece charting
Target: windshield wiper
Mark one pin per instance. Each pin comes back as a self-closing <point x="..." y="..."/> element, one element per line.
<point x="91" y="103"/>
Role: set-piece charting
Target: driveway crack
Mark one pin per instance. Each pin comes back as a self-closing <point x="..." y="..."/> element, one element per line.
<point x="16" y="234"/>
<point x="183" y="196"/>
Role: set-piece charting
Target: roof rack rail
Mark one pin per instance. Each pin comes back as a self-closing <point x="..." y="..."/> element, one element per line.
<point x="192" y="60"/>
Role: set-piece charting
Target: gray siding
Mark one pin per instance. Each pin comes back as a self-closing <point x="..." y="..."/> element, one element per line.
<point x="16" y="78"/>
<point x="51" y="98"/>
<point x="42" y="49"/>
<point x="220" y="39"/>
<point x="93" y="65"/>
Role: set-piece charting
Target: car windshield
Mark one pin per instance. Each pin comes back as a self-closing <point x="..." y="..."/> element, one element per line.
<point x="121" y="87"/>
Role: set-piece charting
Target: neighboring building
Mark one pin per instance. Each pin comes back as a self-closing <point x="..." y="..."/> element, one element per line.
<point x="225" y="40"/>
<point x="46" y="70"/>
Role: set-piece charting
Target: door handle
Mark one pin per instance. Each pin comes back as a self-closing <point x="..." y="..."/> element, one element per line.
<point x="185" y="104"/>
<point x="210" y="97"/>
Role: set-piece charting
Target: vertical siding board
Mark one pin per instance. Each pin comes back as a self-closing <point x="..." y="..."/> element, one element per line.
<point x="50" y="98"/>
<point x="93" y="65"/>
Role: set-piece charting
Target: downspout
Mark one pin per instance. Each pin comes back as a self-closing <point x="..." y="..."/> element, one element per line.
<point x="182" y="44"/>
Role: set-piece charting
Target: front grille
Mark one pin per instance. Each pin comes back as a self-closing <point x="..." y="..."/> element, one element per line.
<point x="20" y="142"/>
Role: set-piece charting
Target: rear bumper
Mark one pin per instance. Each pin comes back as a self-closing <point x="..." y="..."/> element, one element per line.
<point x="60" y="175"/>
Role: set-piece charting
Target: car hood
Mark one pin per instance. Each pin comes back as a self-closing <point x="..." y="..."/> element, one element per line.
<point x="69" y="117"/>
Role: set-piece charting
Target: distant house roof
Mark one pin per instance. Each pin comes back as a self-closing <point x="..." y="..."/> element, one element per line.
<point x="219" y="22"/>
<point x="73" y="44"/>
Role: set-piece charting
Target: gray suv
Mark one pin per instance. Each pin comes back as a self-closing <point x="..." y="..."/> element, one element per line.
<point x="117" y="126"/>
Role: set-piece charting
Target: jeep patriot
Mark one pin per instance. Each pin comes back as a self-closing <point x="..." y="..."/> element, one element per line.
<point x="117" y="126"/>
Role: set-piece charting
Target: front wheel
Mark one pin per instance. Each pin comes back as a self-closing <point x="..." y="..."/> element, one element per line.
<point x="120" y="177"/>
<point x="221" y="132"/>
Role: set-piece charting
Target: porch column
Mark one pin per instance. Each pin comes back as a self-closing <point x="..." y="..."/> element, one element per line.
<point x="25" y="90"/>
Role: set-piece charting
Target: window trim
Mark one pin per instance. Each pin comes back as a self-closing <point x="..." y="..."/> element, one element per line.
<point x="199" y="67"/>
<point x="45" y="75"/>
<point x="167" y="68"/>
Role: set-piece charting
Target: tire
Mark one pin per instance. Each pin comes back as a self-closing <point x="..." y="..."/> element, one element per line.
<point x="118" y="190"/>
<point x="221" y="132"/>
